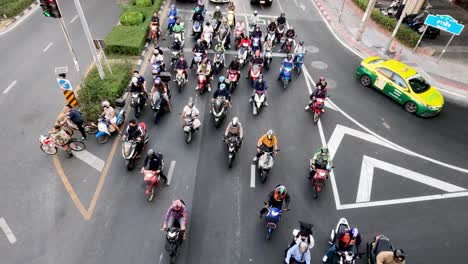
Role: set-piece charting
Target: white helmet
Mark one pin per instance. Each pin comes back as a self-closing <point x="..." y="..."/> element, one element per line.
<point x="255" y="12"/>
<point x="105" y="104"/>
<point x="135" y="80"/>
<point x="190" y="102"/>
<point x="270" y="134"/>
<point x="218" y="8"/>
<point x="235" y="121"/>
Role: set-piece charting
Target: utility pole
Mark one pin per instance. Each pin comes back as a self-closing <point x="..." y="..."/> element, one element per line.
<point x="70" y="47"/>
<point x="90" y="39"/>
<point x="397" y="27"/>
<point x="365" y="18"/>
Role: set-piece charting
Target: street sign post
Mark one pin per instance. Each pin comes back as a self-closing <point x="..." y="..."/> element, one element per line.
<point x="67" y="90"/>
<point x="64" y="84"/>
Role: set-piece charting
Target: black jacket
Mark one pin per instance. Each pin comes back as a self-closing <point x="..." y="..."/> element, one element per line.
<point x="153" y="162"/>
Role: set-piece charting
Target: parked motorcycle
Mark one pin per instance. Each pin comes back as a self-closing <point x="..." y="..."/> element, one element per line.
<point x="105" y="129"/>
<point x="232" y="144"/>
<point x="392" y="9"/>
<point x="298" y="62"/>
<point x="265" y="163"/>
<point x="197" y="29"/>
<point x="233" y="77"/>
<point x="202" y="83"/>
<point x="344" y="257"/>
<point x="174" y="239"/>
<point x="254" y="73"/>
<point x="180" y="79"/>
<point x="258" y="101"/>
<point x="129" y="152"/>
<point x="218" y="63"/>
<point x="272" y="219"/>
<point x="416" y="23"/>
<point x="151" y="179"/>
<point x="286" y="75"/>
<point x="219" y="110"/>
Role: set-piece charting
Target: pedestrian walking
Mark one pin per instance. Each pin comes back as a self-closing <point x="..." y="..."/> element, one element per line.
<point x="77" y="118"/>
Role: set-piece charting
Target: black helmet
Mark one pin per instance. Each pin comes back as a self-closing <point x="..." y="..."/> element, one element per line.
<point x="282" y="15"/>
<point x="289" y="57"/>
<point x="301" y="42"/>
<point x="399" y="254"/>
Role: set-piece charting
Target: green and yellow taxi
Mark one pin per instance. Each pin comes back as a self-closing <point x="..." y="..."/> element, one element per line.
<point x="401" y="83"/>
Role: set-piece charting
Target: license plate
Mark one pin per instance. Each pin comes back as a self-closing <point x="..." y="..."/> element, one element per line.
<point x="262" y="2"/>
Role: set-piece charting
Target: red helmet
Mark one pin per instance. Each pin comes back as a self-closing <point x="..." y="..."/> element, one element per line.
<point x="177" y="205"/>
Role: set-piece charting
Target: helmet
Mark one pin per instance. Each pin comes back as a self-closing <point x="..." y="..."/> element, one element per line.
<point x="222" y="86"/>
<point x="399" y="254"/>
<point x="324" y="150"/>
<point x="105" y="104"/>
<point x="150" y="152"/>
<point x="270" y="134"/>
<point x="134" y="80"/>
<point x="190" y="102"/>
<point x="301" y="42"/>
<point x="208" y="23"/>
<point x="354" y="232"/>
<point x="177" y="205"/>
<point x="198" y="41"/>
<point x="173" y="6"/>
<point x="281" y="189"/>
<point x="235" y="121"/>
<point x="255" y="12"/>
<point x="257" y="53"/>
<point x="157" y="80"/>
<point x="221" y="79"/>
<point x="322" y="78"/>
<point x="289" y="57"/>
<point x="218" y="8"/>
<point x="282" y="15"/>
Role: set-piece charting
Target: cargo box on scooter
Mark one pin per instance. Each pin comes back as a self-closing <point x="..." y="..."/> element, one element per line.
<point x="165" y="76"/>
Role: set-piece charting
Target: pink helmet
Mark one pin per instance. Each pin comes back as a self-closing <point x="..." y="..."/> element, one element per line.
<point x="177" y="205"/>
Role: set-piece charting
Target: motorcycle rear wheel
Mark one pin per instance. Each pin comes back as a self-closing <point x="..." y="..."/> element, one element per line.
<point x="316" y="118"/>
<point x="230" y="161"/>
<point x="268" y="234"/>
<point x="315" y="193"/>
<point x="263" y="175"/>
<point x="131" y="164"/>
<point x="150" y="196"/>
<point x="285" y="83"/>
<point x="103" y="139"/>
<point x="49" y="150"/>
<point x="188" y="137"/>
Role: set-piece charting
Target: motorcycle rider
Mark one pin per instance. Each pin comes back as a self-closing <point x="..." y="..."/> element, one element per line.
<point x="135" y="132"/>
<point x="256" y="59"/>
<point x="320" y="160"/>
<point x="299" y="49"/>
<point x="287" y="62"/>
<point x="158" y="57"/>
<point x="387" y="256"/>
<point x="231" y="6"/>
<point x="181" y="64"/>
<point x="245" y="40"/>
<point x="299" y="253"/>
<point x="172" y="13"/>
<point x="155" y="19"/>
<point x="240" y="26"/>
<point x="178" y="28"/>
<point x="276" y="198"/>
<point x="224" y="33"/>
<point x="176" y="212"/>
<point x="234" y="128"/>
<point x="319" y="92"/>
<point x="257" y="33"/>
<point x="208" y="30"/>
<point x="161" y="88"/>
<point x="153" y="162"/>
<point x="60" y="137"/>
<point x="235" y="66"/>
<point x="221" y="91"/>
<point x="271" y="28"/>
<point x="198" y="16"/>
<point x="191" y="111"/>
<point x="219" y="48"/>
<point x="197" y="48"/>
<point x="347" y="240"/>
<point x="290" y="33"/>
<point x="304" y="234"/>
<point x="136" y="86"/>
<point x="259" y="85"/>
<point x="268" y="141"/>
<point x="109" y="115"/>
<point x="253" y="21"/>
<point x="217" y="16"/>
<point x="281" y="20"/>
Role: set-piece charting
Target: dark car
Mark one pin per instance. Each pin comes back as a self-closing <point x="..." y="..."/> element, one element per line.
<point x="261" y="2"/>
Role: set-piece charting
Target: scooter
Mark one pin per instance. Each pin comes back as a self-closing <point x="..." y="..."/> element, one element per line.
<point x="345" y="257"/>
<point x="157" y="68"/>
<point x="129" y="152"/>
<point x="197" y="29"/>
<point x="105" y="129"/>
<point x="171" y="23"/>
<point x="189" y="129"/>
<point x="159" y="106"/>
<point x="174" y="239"/>
<point x="136" y="102"/>
<point x="317" y="108"/>
<point x="255" y="45"/>
<point x="286" y="75"/>
<point x="237" y="37"/>
<point x="232" y="144"/>
<point x="219" y="110"/>
<point x="289" y="45"/>
<point x="319" y="179"/>
<point x="271" y="35"/>
<point x="279" y="32"/>
<point x="272" y="219"/>
<point x="218" y="62"/>
<point x="151" y="179"/>
<point x="197" y="58"/>
<point x="233" y="77"/>
<point x="208" y="37"/>
<point x="254" y="73"/>
<point x="265" y="163"/>
<point x="180" y="79"/>
<point x="258" y="101"/>
<point x="243" y="54"/>
<point x="268" y="57"/>
<point x="298" y="62"/>
<point x="202" y="83"/>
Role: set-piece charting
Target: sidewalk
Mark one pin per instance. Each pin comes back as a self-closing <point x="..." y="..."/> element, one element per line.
<point x="450" y="77"/>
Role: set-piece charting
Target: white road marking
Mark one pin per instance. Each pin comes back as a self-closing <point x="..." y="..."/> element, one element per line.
<point x="367" y="172"/>
<point x="450" y="92"/>
<point x="73" y="19"/>
<point x="20" y="20"/>
<point x="6" y="229"/>
<point x="48" y="46"/>
<point x="171" y="172"/>
<point x="300" y="5"/>
<point x="161" y="257"/>
<point x="90" y="159"/>
<point x="9" y="87"/>
<point x="252" y="176"/>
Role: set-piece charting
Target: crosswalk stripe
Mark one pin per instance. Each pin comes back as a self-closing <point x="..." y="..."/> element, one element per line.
<point x="90" y="159"/>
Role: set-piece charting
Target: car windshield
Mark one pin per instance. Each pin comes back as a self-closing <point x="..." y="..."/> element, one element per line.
<point x="418" y="84"/>
<point x="377" y="61"/>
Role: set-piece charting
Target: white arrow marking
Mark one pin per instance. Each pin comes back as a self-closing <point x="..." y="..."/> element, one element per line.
<point x="6" y="229"/>
<point x="367" y="173"/>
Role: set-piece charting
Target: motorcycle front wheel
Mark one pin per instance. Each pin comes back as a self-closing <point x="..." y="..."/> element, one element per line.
<point x="263" y="175"/>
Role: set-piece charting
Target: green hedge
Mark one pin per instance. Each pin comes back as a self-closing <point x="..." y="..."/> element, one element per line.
<point x="405" y="35"/>
<point x="97" y="90"/>
<point x="132" y="18"/>
<point x="144" y="3"/>
<point x="130" y="40"/>
<point x="11" y="8"/>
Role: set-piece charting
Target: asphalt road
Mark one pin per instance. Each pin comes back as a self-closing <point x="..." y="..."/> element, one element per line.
<point x="223" y="207"/>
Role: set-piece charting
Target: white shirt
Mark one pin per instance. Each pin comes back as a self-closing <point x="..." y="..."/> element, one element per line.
<point x="193" y="112"/>
<point x="108" y="112"/>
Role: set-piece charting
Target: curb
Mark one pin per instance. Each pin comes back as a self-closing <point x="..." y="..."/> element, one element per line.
<point x="16" y="18"/>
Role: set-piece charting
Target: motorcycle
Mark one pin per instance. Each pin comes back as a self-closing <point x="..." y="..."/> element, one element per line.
<point x="286" y="75"/>
<point x="298" y="62"/>
<point x="202" y="83"/>
<point x="243" y="54"/>
<point x="180" y="36"/>
<point x="171" y="23"/>
<point x="153" y="34"/>
<point x="232" y="144"/>
<point x="345" y="257"/>
<point x="157" y="68"/>
<point x="319" y="179"/>
<point x="151" y="179"/>
<point x="237" y="37"/>
<point x="175" y="57"/>
<point x="379" y="244"/>
<point x="272" y="219"/>
<point x="317" y="108"/>
<point x="189" y="129"/>
<point x="392" y="9"/>
<point x="255" y="45"/>
<point x="254" y="72"/>
<point x="271" y="35"/>
<point x="129" y="152"/>
<point x="416" y="23"/>
<point x="258" y="101"/>
<point x="105" y="129"/>
<point x="280" y="32"/>
<point x="173" y="241"/>
<point x="265" y="163"/>
<point x="159" y="106"/>
<point x="219" y="110"/>
<point x="180" y="79"/>
<point x="233" y="77"/>
<point x="268" y="57"/>
<point x="289" y="45"/>
<point x="197" y="58"/>
<point x="231" y="18"/>
<point x="218" y="62"/>
<point x="136" y="102"/>
<point x="197" y="29"/>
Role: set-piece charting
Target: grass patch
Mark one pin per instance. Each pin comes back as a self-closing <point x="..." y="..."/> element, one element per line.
<point x="11" y="8"/>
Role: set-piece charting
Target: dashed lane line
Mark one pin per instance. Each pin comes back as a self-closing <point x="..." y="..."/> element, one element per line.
<point x="171" y="172"/>
<point x="9" y="87"/>
<point x="48" y="47"/>
<point x="252" y="176"/>
<point x="73" y="19"/>
<point x="90" y="159"/>
<point x="7" y="231"/>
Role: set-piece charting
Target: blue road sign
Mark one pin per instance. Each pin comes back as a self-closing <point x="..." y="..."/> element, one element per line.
<point x="64" y="84"/>
<point x="445" y="23"/>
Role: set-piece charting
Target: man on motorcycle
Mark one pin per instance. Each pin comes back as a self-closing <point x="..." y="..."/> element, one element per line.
<point x="276" y="198"/>
<point x="181" y="64"/>
<point x="136" y="86"/>
<point x="234" y="128"/>
<point x="268" y="46"/>
<point x="347" y="240"/>
<point x="299" y="253"/>
<point x="109" y="115"/>
<point x="153" y="162"/>
<point x="290" y="33"/>
<point x="253" y="21"/>
<point x="257" y="59"/>
<point x="224" y="34"/>
<point x="197" y="48"/>
<point x="304" y="234"/>
<point x="208" y="30"/>
<point x="221" y="91"/>
<point x="319" y="92"/>
<point x="217" y="16"/>
<point x="205" y="69"/>
<point x="287" y="62"/>
<point x="281" y="20"/>
<point x="155" y="19"/>
<point x="257" y="33"/>
<point x="172" y="13"/>
<point x="271" y="28"/>
<point x="135" y="132"/>
<point x="161" y="88"/>
<point x="198" y="16"/>
<point x="176" y="212"/>
<point x="245" y="40"/>
<point x="299" y="49"/>
<point x="268" y="141"/>
<point x="219" y="48"/>
<point x="191" y="111"/>
<point x="259" y="85"/>
<point x="157" y="57"/>
<point x="240" y="26"/>
<point x="178" y="28"/>
<point x="320" y="160"/>
<point x="235" y="64"/>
